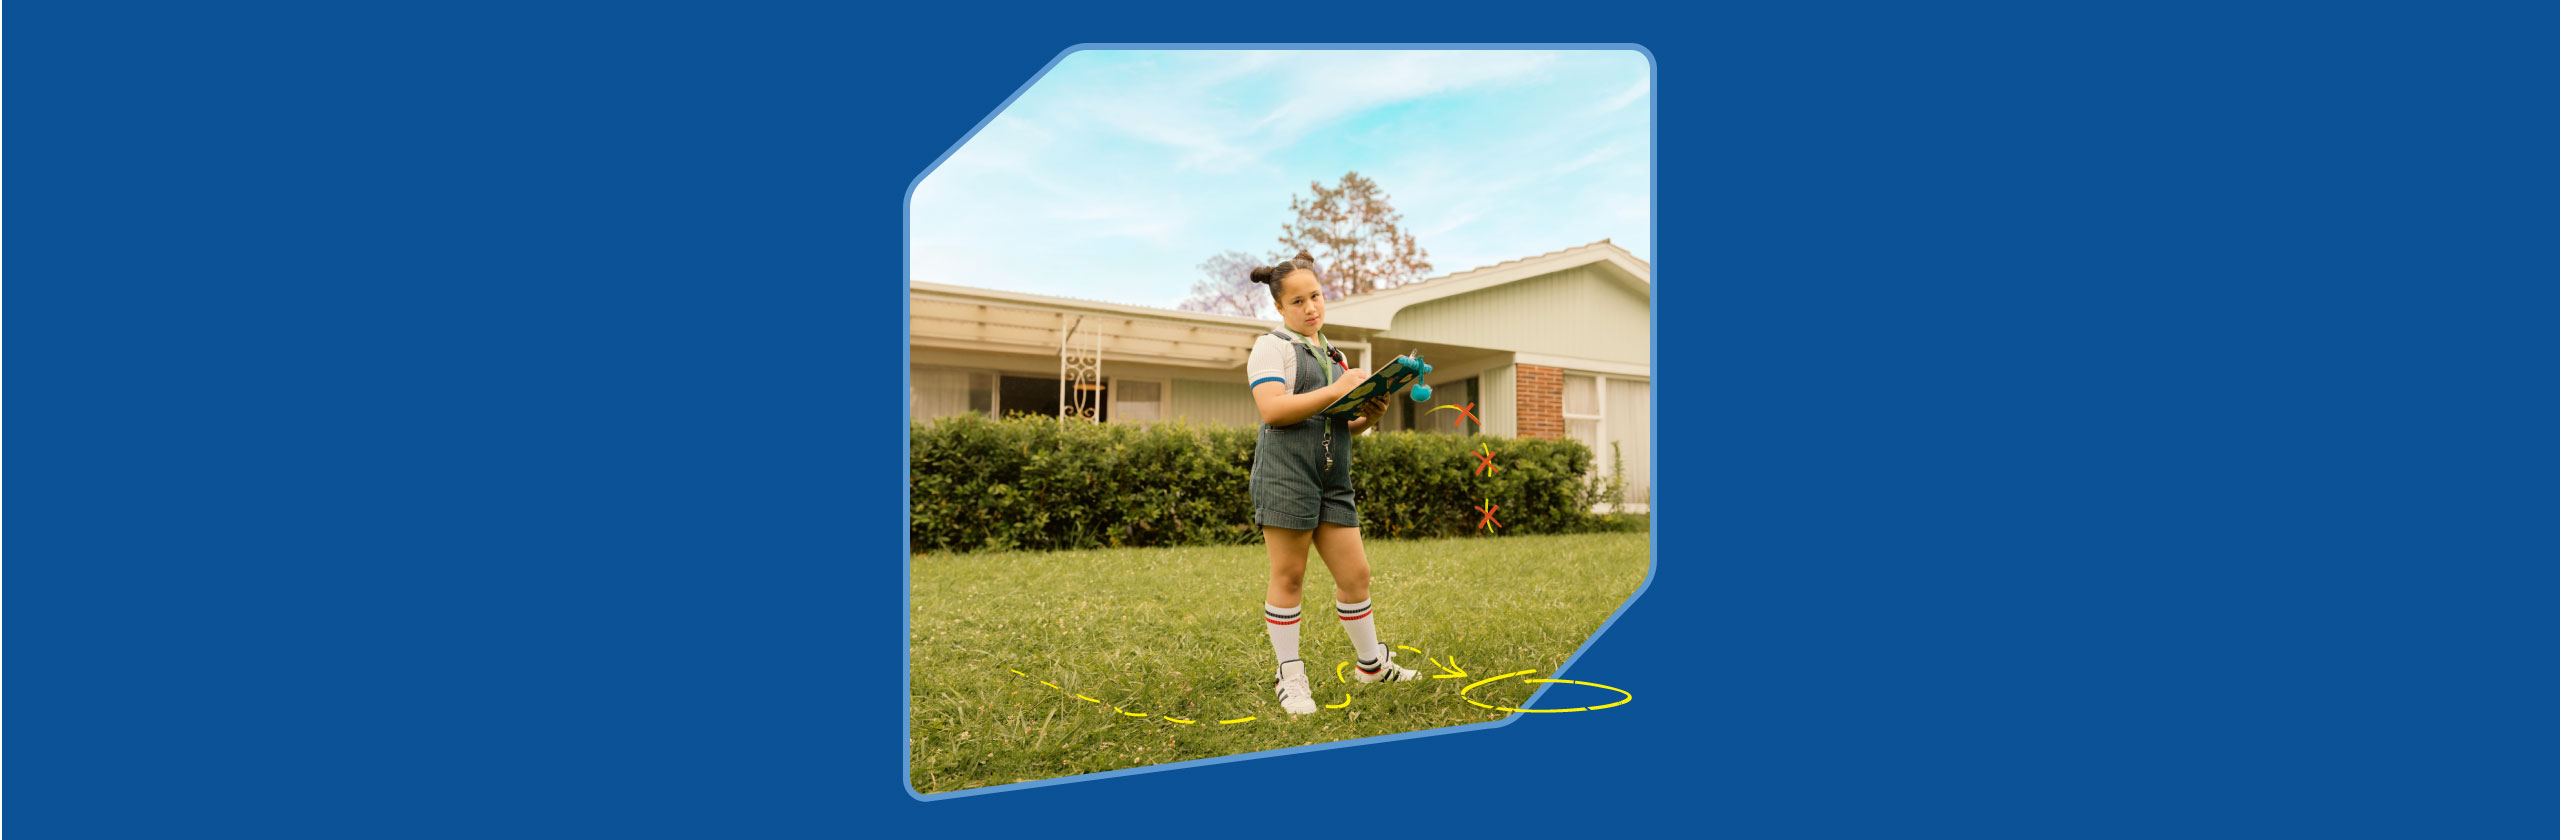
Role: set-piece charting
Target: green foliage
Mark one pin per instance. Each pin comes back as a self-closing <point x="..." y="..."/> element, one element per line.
<point x="1423" y="485"/>
<point x="1611" y="488"/>
<point x="1035" y="483"/>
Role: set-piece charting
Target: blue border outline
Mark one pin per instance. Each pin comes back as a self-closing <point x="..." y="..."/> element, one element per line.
<point x="906" y="442"/>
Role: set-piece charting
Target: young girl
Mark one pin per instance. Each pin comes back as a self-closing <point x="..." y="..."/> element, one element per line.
<point x="1302" y="480"/>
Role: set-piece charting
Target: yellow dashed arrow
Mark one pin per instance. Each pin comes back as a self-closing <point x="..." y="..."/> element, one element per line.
<point x="1449" y="670"/>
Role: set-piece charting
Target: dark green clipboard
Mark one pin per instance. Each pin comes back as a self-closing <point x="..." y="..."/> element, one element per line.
<point x="1390" y="377"/>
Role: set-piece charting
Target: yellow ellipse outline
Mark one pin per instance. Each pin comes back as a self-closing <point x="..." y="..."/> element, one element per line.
<point x="1462" y="694"/>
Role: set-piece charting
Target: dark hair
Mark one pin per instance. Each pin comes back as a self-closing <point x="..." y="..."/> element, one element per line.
<point x="1271" y="275"/>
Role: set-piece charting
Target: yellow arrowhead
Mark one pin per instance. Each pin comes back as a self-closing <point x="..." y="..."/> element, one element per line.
<point x="1452" y="671"/>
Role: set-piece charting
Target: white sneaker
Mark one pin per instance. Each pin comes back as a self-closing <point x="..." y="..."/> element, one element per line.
<point x="1291" y="685"/>
<point x="1384" y="671"/>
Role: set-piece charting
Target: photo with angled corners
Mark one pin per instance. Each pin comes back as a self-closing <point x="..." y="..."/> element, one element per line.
<point x="1268" y="400"/>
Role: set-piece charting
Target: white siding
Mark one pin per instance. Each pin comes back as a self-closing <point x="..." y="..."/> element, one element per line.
<point x="1574" y="312"/>
<point x="1228" y="403"/>
<point x="1497" y="393"/>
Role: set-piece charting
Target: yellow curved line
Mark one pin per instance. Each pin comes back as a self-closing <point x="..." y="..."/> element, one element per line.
<point x="1630" y="696"/>
<point x="1346" y="700"/>
<point x="1462" y="694"/>
<point x="1087" y="699"/>
<point x="1337" y="672"/>
<point x="1411" y="648"/>
<point x="1019" y="674"/>
<point x="1237" y="720"/>
<point x="1051" y="684"/>
<point x="1127" y="712"/>
<point x="1179" y="720"/>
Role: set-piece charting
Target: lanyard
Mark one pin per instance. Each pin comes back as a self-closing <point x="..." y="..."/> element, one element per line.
<point x="1324" y="357"/>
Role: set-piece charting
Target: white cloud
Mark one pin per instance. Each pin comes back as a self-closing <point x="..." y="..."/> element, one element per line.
<point x="1597" y="155"/>
<point x="1327" y="86"/>
<point x="1226" y="112"/>
<point x="1643" y="85"/>
<point x="1452" y="223"/>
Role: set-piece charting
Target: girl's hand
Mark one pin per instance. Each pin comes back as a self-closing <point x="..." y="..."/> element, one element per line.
<point x="1371" y="410"/>
<point x="1351" y="379"/>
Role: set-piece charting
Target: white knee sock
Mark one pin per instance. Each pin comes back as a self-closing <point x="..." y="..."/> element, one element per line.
<point x="1361" y="622"/>
<point x="1283" y="624"/>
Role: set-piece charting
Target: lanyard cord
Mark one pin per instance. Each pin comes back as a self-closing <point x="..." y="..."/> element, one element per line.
<point x="1323" y="359"/>
<point x="1326" y="356"/>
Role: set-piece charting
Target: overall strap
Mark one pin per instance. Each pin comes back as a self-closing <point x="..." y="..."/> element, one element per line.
<point x="1302" y="352"/>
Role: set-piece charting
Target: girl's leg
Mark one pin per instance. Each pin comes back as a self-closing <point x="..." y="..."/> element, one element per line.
<point x="1345" y="558"/>
<point x="1288" y="550"/>
<point x="1349" y="562"/>
<point x="1280" y="611"/>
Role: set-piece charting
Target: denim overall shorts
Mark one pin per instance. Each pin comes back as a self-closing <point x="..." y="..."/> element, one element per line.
<point x="1302" y="471"/>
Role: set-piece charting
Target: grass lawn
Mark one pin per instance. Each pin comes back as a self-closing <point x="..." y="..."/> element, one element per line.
<point x="1175" y="633"/>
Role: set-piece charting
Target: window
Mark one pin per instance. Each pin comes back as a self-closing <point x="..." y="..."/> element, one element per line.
<point x="1582" y="415"/>
<point x="1604" y="410"/>
<point x="1630" y="411"/>
<point x="942" y="392"/>
<point x="1136" y="400"/>
<point x="1036" y="396"/>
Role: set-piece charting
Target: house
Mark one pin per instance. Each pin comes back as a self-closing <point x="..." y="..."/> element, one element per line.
<point x="1551" y="346"/>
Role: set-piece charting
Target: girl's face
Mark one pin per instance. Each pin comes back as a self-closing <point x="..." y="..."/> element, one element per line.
<point x="1301" y="302"/>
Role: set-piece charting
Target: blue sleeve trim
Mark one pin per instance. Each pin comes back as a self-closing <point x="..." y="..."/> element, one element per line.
<point x="1258" y="382"/>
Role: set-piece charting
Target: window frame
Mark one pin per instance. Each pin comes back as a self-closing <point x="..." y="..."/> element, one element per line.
<point x="1112" y="392"/>
<point x="1599" y="402"/>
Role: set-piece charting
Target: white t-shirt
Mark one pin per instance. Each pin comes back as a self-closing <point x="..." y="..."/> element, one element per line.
<point x="1276" y="360"/>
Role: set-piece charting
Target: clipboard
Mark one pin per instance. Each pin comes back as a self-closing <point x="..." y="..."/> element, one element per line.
<point x="1390" y="377"/>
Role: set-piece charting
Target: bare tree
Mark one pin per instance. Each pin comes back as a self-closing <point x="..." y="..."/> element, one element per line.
<point x="1226" y="287"/>
<point x="1354" y="233"/>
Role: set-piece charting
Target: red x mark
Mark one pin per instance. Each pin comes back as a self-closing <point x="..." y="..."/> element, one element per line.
<point x="1488" y="515"/>
<point x="1484" y="462"/>
<point x="1463" y="414"/>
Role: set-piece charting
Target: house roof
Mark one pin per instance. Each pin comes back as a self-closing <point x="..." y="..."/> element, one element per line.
<point x="968" y="318"/>
<point x="1377" y="310"/>
<point x="921" y="291"/>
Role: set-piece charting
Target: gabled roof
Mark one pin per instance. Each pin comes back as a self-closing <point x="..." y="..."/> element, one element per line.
<point x="1377" y="310"/>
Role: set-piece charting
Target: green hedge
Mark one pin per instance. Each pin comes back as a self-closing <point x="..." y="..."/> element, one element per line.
<point x="1044" y="484"/>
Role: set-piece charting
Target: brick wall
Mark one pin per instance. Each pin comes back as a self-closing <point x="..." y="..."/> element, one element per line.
<point x="1540" y="401"/>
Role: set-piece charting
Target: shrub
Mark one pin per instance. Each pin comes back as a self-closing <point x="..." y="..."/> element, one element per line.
<point x="1042" y="484"/>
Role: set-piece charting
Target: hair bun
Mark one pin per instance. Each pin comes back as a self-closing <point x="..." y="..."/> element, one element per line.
<point x="1262" y="274"/>
<point x="1307" y="258"/>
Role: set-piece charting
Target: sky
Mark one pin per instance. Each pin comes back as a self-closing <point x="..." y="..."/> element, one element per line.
<point x="1120" y="171"/>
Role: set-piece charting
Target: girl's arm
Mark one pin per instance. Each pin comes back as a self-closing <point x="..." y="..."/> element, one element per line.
<point x="1281" y="408"/>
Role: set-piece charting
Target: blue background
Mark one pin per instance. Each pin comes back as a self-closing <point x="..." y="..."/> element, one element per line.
<point x="468" y="418"/>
